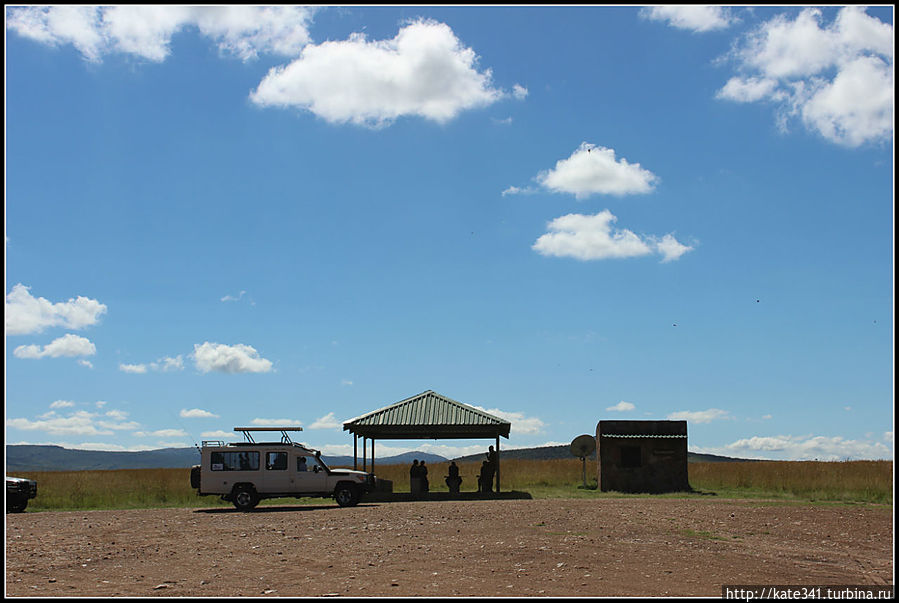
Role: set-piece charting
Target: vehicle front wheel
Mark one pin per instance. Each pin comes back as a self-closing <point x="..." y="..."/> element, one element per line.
<point x="245" y="498"/>
<point x="346" y="496"/>
<point x="15" y="504"/>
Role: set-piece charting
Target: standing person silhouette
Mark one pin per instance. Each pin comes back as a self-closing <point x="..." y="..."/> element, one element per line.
<point x="490" y="468"/>
<point x="414" y="478"/>
<point x="423" y="473"/>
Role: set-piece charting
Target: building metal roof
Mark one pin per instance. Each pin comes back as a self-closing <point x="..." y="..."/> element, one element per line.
<point x="641" y="429"/>
<point x="428" y="415"/>
<point x="639" y="435"/>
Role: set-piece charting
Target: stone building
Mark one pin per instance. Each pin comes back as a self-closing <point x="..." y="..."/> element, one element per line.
<point x="642" y="456"/>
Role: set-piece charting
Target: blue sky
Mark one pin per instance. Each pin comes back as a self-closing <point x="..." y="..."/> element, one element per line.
<point x="242" y="215"/>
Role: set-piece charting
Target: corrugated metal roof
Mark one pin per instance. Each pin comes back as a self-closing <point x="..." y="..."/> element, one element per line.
<point x="428" y="414"/>
<point x="637" y="435"/>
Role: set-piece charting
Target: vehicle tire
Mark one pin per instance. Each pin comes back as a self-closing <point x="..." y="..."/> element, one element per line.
<point x="346" y="495"/>
<point x="245" y="498"/>
<point x="15" y="504"/>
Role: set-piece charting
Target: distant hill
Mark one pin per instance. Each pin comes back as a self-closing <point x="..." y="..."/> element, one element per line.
<point x="28" y="457"/>
<point x="564" y="452"/>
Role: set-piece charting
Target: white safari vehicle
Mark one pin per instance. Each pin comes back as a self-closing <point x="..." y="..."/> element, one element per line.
<point x="244" y="473"/>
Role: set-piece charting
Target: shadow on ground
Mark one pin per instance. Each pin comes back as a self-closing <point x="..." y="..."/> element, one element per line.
<point x="444" y="496"/>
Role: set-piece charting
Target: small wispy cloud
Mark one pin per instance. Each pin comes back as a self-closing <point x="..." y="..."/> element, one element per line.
<point x="621" y="407"/>
<point x="197" y="413"/>
<point x="699" y="416"/>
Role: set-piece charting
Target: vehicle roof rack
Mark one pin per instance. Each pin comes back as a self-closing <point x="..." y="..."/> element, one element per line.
<point x="285" y="439"/>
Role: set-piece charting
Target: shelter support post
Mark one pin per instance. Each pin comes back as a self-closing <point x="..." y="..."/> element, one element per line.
<point x="364" y="454"/>
<point x="497" y="464"/>
<point x="355" y="452"/>
<point x="372" y="455"/>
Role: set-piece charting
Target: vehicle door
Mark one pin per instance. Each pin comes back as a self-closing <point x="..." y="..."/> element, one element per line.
<point x="277" y="473"/>
<point x="310" y="475"/>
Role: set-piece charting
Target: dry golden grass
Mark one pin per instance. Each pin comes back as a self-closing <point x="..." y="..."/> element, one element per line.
<point x="851" y="481"/>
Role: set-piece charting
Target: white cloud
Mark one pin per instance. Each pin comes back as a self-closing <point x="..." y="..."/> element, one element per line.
<point x="594" y="170"/>
<point x="217" y="434"/>
<point x="621" y="407"/>
<point x="514" y="190"/>
<point x="86" y="363"/>
<point x="888" y="436"/>
<point x="223" y="358"/>
<point x="26" y="314"/>
<point x="167" y="364"/>
<point x="68" y="345"/>
<point x="164" y="365"/>
<point x="747" y="90"/>
<point x="424" y="71"/>
<point x="808" y="447"/>
<point x="346" y="382"/>
<point x="62" y="404"/>
<point x="693" y="17"/>
<point x="197" y="413"/>
<point x="700" y="416"/>
<point x="146" y="31"/>
<point x="591" y="237"/>
<point x="161" y="433"/>
<point x="670" y="248"/>
<point x="78" y="423"/>
<point x="520" y="424"/>
<point x="276" y="422"/>
<point x="326" y="422"/>
<point x="837" y="78"/>
<point x="228" y="298"/>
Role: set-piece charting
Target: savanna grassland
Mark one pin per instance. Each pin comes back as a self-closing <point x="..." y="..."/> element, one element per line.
<point x="847" y="481"/>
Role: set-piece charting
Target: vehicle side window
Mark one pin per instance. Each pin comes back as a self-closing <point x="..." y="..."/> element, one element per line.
<point x="234" y="461"/>
<point x="276" y="461"/>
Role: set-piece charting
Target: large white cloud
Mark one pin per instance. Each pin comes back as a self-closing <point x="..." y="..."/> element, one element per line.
<point x="592" y="237"/>
<point x="424" y="71"/>
<point x="68" y="345"/>
<point x="221" y="358"/>
<point x="807" y="447"/>
<point x="594" y="170"/>
<point x="80" y="422"/>
<point x="329" y="421"/>
<point x="837" y="79"/>
<point x="520" y="424"/>
<point x="146" y="31"/>
<point x="26" y="314"/>
<point x="693" y="17"/>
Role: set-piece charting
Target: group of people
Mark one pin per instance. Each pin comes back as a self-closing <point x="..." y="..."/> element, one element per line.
<point x="418" y="475"/>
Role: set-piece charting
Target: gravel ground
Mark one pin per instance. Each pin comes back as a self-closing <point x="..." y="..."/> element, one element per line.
<point x="539" y="548"/>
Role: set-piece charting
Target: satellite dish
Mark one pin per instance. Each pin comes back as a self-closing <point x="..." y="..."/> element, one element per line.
<point x="583" y="445"/>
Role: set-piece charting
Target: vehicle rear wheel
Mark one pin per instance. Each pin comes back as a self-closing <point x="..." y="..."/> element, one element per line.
<point x="245" y="498"/>
<point x="346" y="495"/>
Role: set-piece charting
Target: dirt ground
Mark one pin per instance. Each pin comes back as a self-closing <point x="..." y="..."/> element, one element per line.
<point x="540" y="548"/>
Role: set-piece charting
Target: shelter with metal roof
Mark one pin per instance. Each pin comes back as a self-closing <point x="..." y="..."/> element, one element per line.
<point x="427" y="415"/>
